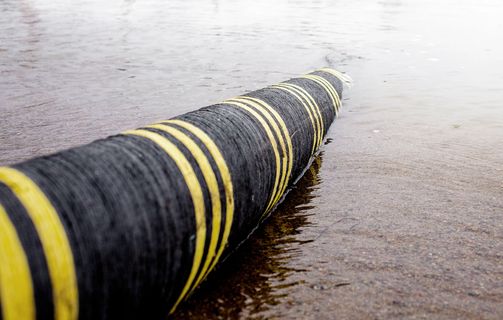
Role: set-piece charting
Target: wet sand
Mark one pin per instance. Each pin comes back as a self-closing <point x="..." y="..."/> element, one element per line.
<point x="400" y="217"/>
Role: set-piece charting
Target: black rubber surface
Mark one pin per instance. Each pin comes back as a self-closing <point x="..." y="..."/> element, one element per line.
<point x="128" y="210"/>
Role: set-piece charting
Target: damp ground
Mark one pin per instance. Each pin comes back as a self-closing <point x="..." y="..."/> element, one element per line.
<point x="401" y="215"/>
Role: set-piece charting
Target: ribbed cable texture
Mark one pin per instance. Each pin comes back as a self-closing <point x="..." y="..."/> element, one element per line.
<point x="128" y="226"/>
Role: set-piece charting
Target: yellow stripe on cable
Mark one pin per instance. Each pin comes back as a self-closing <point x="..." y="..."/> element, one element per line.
<point x="196" y="194"/>
<point x="211" y="182"/>
<point x="328" y="88"/>
<point x="309" y="112"/>
<point x="302" y="97"/>
<point x="260" y="104"/>
<point x="284" y="157"/>
<point x="332" y="88"/>
<point x="315" y="106"/>
<point x="339" y="75"/>
<point x="274" y="145"/>
<point x="16" y="289"/>
<point x="283" y="128"/>
<point x="334" y="91"/>
<point x="51" y="232"/>
<point x="226" y="180"/>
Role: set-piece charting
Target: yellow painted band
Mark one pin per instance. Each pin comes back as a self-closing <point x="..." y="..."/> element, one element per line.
<point x="226" y="180"/>
<point x="284" y="156"/>
<point x="339" y="75"/>
<point x="16" y="289"/>
<point x="309" y="112"/>
<point x="259" y="104"/>
<point x="283" y="128"/>
<point x="211" y="182"/>
<point x="317" y="116"/>
<point x="318" y="80"/>
<point x="51" y="232"/>
<point x="273" y="144"/>
<point x="196" y="194"/>
<point x="315" y="106"/>
<point x="332" y="93"/>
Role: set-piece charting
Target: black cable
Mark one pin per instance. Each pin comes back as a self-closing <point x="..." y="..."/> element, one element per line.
<point x="128" y="226"/>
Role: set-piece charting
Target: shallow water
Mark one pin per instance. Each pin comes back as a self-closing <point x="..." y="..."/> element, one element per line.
<point x="404" y="218"/>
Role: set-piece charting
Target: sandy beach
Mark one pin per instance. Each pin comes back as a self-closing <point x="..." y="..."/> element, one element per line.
<point x="401" y="214"/>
